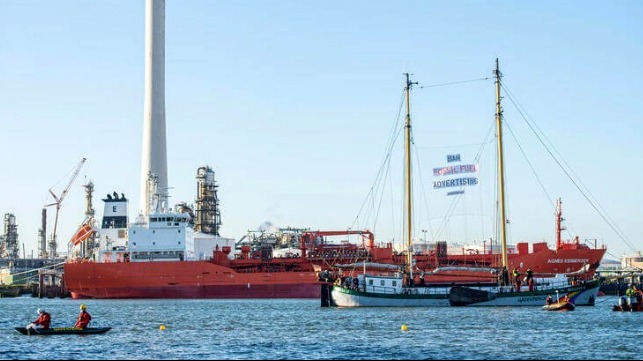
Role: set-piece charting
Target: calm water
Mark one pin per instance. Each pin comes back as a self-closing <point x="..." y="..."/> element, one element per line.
<point x="301" y="329"/>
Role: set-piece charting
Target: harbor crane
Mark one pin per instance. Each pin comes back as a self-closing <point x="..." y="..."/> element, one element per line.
<point x="59" y="199"/>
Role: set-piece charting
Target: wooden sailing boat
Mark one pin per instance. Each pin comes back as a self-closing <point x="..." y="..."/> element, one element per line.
<point x="398" y="288"/>
<point x="504" y="294"/>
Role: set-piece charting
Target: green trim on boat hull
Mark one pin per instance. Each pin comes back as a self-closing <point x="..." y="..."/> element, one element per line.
<point x="345" y="297"/>
<point x="581" y="295"/>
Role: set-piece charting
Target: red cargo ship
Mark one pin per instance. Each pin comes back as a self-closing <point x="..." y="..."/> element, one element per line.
<point x="163" y="259"/>
<point x="276" y="278"/>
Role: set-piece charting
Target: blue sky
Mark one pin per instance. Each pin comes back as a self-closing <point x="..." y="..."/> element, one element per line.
<point x="292" y="104"/>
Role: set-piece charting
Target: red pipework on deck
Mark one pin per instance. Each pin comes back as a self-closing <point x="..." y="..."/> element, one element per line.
<point x="307" y="239"/>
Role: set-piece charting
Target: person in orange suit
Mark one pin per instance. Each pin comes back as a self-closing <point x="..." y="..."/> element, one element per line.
<point x="83" y="318"/>
<point x="43" y="321"/>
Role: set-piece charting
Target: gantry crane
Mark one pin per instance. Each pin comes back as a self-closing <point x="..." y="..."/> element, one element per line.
<point x="52" y="243"/>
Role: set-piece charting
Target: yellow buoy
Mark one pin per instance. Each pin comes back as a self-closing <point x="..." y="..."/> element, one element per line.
<point x="404" y="327"/>
<point x="162" y="327"/>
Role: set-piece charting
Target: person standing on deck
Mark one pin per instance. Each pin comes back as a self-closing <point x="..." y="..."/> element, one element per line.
<point x="83" y="318"/>
<point x="504" y="276"/>
<point x="517" y="282"/>
<point x="530" y="279"/>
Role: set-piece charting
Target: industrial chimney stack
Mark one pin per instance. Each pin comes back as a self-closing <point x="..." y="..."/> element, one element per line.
<point x="154" y="154"/>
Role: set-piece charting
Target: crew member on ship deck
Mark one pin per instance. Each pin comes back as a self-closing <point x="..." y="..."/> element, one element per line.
<point x="530" y="279"/>
<point x="517" y="282"/>
<point x="504" y="276"/>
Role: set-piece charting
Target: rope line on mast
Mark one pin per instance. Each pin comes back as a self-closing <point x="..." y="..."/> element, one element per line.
<point x="383" y="172"/>
<point x="533" y="170"/>
<point x="424" y="197"/>
<point x="576" y="182"/>
<point x="453" y="83"/>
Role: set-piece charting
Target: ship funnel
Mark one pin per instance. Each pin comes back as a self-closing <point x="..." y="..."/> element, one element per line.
<point x="115" y="212"/>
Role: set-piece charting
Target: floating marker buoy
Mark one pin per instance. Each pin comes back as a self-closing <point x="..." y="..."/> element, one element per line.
<point x="162" y="327"/>
<point x="404" y="327"/>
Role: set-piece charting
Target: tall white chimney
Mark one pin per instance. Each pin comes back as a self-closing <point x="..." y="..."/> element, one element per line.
<point x="154" y="155"/>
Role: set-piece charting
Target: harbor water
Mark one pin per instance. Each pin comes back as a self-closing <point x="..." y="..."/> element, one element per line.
<point x="301" y="329"/>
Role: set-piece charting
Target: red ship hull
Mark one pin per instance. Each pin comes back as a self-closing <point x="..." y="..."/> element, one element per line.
<point x="543" y="262"/>
<point x="206" y="279"/>
<point x="197" y="279"/>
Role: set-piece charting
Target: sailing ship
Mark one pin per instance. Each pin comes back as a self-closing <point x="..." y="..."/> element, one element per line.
<point x="578" y="288"/>
<point x="396" y="288"/>
<point x="402" y="287"/>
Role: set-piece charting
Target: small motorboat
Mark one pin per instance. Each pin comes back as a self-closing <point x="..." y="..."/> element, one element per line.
<point x="63" y="331"/>
<point x="626" y="304"/>
<point x="562" y="305"/>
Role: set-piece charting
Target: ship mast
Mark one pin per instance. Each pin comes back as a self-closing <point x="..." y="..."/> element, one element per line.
<point x="407" y="153"/>
<point x="501" y="171"/>
<point x="559" y="224"/>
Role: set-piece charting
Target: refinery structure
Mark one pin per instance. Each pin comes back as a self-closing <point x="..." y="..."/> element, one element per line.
<point x="9" y="248"/>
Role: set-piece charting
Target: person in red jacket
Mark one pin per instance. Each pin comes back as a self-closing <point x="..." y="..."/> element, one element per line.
<point x="43" y="321"/>
<point x="83" y="318"/>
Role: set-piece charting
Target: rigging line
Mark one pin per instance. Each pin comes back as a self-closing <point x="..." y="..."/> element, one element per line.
<point x="443" y="227"/>
<point x="496" y="197"/>
<point x="424" y="197"/>
<point x="382" y="181"/>
<point x="449" y="146"/>
<point x="453" y="83"/>
<point x="396" y="125"/>
<point x="390" y="188"/>
<point x="449" y="213"/>
<point x="377" y="209"/>
<point x="605" y="217"/>
<point x="613" y="255"/>
<point x="522" y="151"/>
<point x="395" y="131"/>
<point x="370" y="198"/>
<point x="489" y="138"/>
<point x="482" y="223"/>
